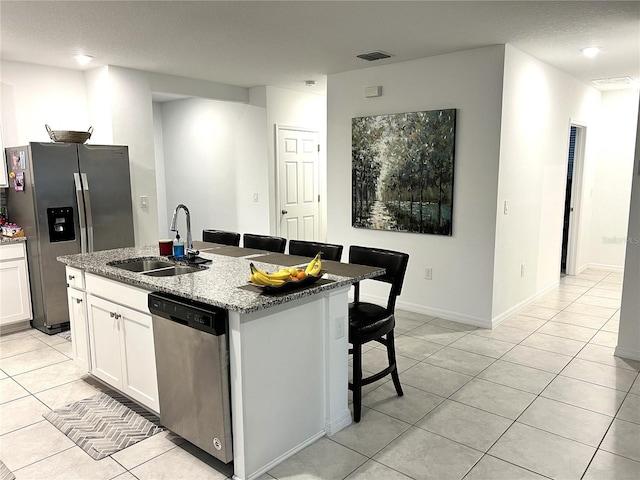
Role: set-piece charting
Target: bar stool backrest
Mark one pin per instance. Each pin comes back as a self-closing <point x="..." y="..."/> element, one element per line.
<point x="395" y="264"/>
<point x="264" y="242"/>
<point x="310" y="249"/>
<point x="221" y="237"/>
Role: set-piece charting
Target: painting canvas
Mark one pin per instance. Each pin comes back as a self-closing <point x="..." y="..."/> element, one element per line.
<point x="402" y="171"/>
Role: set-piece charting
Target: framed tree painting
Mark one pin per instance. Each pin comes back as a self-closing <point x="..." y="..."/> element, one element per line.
<point x="402" y="171"/>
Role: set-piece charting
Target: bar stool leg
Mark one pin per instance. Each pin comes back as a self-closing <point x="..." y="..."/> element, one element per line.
<point x="357" y="381"/>
<point x="391" y="354"/>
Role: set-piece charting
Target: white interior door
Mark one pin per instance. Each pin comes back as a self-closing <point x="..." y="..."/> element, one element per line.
<point x="298" y="158"/>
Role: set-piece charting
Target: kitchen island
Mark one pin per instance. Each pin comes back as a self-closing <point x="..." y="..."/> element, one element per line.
<point x="287" y="352"/>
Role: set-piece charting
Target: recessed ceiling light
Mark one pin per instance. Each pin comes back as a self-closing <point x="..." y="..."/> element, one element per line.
<point x="591" y="51"/>
<point x="83" y="59"/>
<point x="614" y="81"/>
<point x="310" y="83"/>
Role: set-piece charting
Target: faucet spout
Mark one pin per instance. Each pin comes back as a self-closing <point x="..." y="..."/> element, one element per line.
<point x="173" y="227"/>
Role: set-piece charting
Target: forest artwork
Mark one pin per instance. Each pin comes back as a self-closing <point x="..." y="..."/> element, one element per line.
<point x="402" y="171"/>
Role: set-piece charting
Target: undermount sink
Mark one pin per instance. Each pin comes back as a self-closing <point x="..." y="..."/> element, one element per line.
<point x="144" y="265"/>
<point x="155" y="267"/>
<point x="175" y="270"/>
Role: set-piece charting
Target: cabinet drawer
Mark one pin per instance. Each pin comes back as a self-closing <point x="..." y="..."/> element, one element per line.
<point x="75" y="278"/>
<point x="12" y="251"/>
<point x="117" y="292"/>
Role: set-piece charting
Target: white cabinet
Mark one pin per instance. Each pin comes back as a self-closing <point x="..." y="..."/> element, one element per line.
<point x="104" y="328"/>
<point x="76" y="300"/>
<point x="121" y="339"/>
<point x="15" y="295"/>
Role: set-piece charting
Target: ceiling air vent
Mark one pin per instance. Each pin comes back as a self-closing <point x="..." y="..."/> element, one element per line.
<point x="370" y="57"/>
<point x="613" y="81"/>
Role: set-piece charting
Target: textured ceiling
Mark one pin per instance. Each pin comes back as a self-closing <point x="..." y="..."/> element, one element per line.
<point x="285" y="43"/>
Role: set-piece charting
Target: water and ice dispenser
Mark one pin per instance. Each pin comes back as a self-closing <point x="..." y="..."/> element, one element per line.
<point x="61" y="225"/>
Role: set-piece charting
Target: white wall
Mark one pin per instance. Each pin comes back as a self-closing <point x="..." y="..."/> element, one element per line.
<point x="33" y="95"/>
<point x="132" y="124"/>
<point x="164" y="218"/>
<point x="130" y="111"/>
<point x="539" y="103"/>
<point x="471" y="82"/>
<point x="611" y="188"/>
<point x="215" y="160"/>
<point x="99" y="95"/>
<point x="292" y="108"/>
<point x="629" y="332"/>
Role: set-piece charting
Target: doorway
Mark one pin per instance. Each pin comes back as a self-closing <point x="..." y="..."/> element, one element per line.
<point x="297" y="153"/>
<point x="573" y="188"/>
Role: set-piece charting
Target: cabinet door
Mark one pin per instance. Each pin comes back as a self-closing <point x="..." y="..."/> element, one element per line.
<point x="15" y="299"/>
<point x="139" y="358"/>
<point x="104" y="335"/>
<point x="79" y="328"/>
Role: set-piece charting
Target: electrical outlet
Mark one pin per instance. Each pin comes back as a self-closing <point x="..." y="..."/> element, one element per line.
<point x="522" y="270"/>
<point x="428" y="273"/>
<point x="144" y="201"/>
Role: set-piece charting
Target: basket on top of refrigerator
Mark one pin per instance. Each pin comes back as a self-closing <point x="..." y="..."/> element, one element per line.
<point x="68" y="136"/>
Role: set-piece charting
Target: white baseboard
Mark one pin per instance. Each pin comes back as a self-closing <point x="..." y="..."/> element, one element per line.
<point x="445" y="314"/>
<point x="281" y="458"/>
<point x="602" y="266"/>
<point x="434" y="312"/>
<point x="339" y="423"/>
<point x="627" y="353"/>
<point x="497" y="320"/>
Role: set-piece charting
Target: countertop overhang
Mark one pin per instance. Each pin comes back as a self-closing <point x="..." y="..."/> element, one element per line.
<point x="219" y="285"/>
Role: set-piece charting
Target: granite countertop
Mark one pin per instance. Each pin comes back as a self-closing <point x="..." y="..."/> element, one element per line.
<point x="6" y="240"/>
<point x="224" y="283"/>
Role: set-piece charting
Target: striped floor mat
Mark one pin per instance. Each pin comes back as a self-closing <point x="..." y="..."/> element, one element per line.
<point x="5" y="473"/>
<point x="104" y="424"/>
<point x="66" y="335"/>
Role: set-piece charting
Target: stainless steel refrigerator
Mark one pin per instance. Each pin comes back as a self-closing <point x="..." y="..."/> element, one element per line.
<point x="69" y="198"/>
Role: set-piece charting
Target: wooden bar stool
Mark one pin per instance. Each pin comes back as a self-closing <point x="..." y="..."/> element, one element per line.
<point x="370" y="322"/>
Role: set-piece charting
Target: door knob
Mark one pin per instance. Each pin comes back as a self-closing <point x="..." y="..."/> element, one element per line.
<point x="284" y="212"/>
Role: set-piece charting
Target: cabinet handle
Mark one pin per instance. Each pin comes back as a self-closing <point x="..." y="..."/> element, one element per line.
<point x="112" y="314"/>
<point x="78" y="300"/>
<point x="118" y="316"/>
<point x="71" y="277"/>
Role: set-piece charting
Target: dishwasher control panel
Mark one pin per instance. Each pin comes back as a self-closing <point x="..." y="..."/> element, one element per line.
<point x="189" y="312"/>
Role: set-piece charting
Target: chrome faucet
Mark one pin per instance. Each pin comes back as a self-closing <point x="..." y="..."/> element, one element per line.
<point x="189" y="251"/>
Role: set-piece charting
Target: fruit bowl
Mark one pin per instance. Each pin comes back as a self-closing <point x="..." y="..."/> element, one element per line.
<point x="290" y="284"/>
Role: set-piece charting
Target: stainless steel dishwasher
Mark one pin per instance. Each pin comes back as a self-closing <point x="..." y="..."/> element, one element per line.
<point x="192" y="361"/>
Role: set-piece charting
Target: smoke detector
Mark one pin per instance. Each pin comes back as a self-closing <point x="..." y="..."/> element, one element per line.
<point x="372" y="56"/>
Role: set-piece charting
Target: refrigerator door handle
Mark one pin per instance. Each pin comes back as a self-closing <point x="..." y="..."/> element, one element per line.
<point x="81" y="216"/>
<point x="87" y="204"/>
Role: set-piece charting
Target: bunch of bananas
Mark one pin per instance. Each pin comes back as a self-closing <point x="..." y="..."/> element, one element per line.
<point x="315" y="265"/>
<point x="260" y="277"/>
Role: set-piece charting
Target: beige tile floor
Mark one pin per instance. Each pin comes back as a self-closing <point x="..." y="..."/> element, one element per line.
<point x="540" y="396"/>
